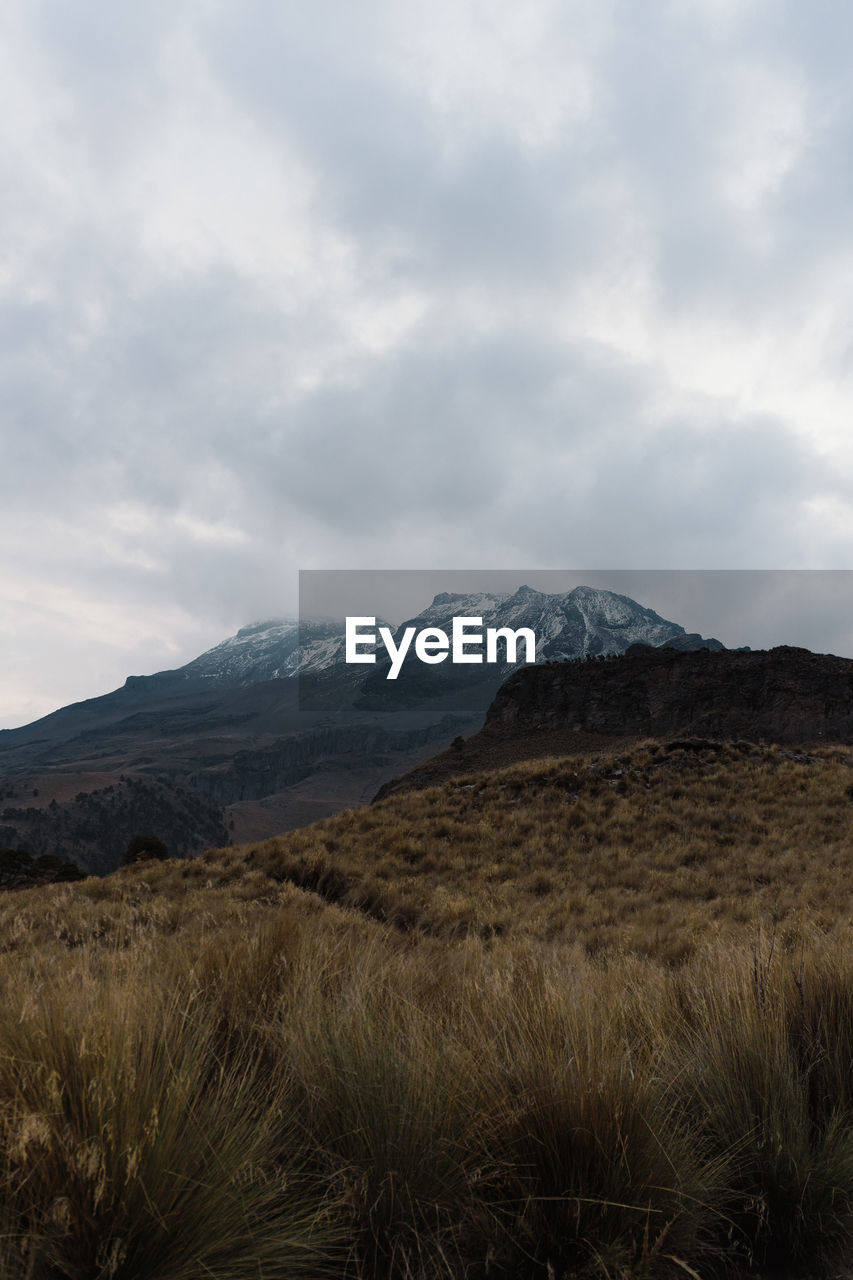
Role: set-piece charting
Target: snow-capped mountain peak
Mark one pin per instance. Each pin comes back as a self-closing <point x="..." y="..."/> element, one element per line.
<point x="586" y="620"/>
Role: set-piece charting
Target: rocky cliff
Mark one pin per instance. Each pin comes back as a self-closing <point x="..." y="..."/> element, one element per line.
<point x="780" y="695"/>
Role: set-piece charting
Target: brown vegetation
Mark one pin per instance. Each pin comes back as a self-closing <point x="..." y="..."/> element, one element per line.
<point x="656" y="850"/>
<point x="208" y="1070"/>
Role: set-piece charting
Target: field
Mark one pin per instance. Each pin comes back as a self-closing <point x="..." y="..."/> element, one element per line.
<point x="576" y="1017"/>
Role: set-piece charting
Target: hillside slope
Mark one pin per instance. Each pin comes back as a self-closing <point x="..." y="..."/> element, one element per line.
<point x="467" y="1033"/>
<point x="653" y="850"/>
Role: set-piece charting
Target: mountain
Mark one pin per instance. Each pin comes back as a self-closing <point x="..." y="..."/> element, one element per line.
<point x="568" y="625"/>
<point x="271" y="729"/>
<point x="586" y="620"/>
<point x="274" y="649"/>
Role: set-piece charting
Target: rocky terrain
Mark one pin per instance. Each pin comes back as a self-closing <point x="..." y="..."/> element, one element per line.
<point x="781" y="695"/>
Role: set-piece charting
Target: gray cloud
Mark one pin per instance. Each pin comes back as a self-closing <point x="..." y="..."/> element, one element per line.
<point x="371" y="285"/>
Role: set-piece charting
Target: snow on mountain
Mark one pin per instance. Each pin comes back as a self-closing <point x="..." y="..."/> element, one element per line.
<point x="270" y="650"/>
<point x="481" y="604"/>
<point x="262" y="651"/>
<point x="586" y="620"/>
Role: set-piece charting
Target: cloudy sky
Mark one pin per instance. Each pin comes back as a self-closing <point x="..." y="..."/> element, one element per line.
<point x="369" y="285"/>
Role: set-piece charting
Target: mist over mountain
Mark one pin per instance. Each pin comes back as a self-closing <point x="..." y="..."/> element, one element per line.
<point x="272" y="649"/>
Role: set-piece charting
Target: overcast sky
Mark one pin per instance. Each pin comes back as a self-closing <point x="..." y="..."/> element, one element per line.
<point x="373" y="285"/>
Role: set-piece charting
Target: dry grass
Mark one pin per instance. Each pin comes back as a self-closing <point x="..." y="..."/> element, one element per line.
<point x="646" y="1070"/>
<point x="652" y="851"/>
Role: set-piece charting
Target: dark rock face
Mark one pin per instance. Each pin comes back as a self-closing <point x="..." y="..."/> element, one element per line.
<point x="780" y="695"/>
<point x="692" y="641"/>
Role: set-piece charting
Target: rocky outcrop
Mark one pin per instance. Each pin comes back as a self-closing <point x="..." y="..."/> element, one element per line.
<point x="779" y="695"/>
<point x="692" y="640"/>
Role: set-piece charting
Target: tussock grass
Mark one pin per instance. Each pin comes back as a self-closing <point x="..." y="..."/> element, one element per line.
<point x="322" y="1056"/>
<point x="130" y="1148"/>
<point x="764" y="1055"/>
<point x="652" y="850"/>
<point x="390" y="1105"/>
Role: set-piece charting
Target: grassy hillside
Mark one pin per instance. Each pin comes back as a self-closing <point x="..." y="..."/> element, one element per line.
<point x="579" y="1017"/>
<point x="656" y="850"/>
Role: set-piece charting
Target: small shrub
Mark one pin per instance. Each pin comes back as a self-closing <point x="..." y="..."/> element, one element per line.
<point x="145" y="848"/>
